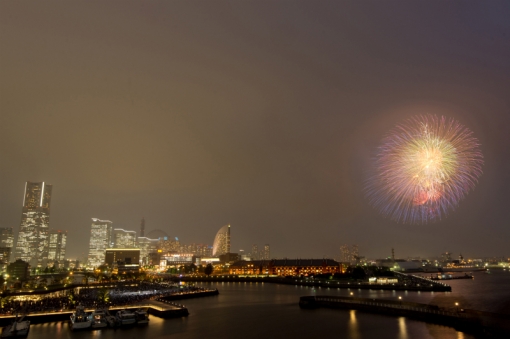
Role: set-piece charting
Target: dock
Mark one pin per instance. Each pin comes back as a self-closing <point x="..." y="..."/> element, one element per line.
<point x="486" y="323"/>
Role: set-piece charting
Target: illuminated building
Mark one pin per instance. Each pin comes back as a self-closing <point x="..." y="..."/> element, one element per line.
<point x="178" y="258"/>
<point x="349" y="254"/>
<point x="6" y="237"/>
<point x="286" y="267"/>
<point x="5" y="255"/>
<point x="57" y="245"/>
<point x="100" y="241"/>
<point x="19" y="270"/>
<point x="146" y="246"/>
<point x="123" y="239"/>
<point x="267" y="253"/>
<point x="221" y="243"/>
<point x="32" y="244"/>
<point x="123" y="260"/>
<point x="255" y="252"/>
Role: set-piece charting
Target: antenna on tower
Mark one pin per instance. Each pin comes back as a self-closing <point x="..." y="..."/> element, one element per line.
<point x="393" y="254"/>
<point x="142" y="227"/>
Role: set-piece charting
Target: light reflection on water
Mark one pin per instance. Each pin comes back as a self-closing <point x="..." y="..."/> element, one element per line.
<point x="266" y="310"/>
<point x="353" y="325"/>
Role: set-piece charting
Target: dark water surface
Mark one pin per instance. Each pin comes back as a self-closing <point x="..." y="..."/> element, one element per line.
<point x="258" y="310"/>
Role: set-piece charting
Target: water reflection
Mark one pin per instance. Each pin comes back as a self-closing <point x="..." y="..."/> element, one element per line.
<point x="402" y="334"/>
<point x="353" y="325"/>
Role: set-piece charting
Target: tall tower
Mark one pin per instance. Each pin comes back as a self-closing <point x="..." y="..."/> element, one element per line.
<point x="100" y="240"/>
<point x="57" y="245"/>
<point x="32" y="244"/>
<point x="221" y="243"/>
<point x="255" y="252"/>
<point x="6" y="237"/>
<point x="142" y="228"/>
<point x="267" y="253"/>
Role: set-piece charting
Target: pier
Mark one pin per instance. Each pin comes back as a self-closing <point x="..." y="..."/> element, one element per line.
<point x="163" y="307"/>
<point x="489" y="324"/>
<point x="406" y="282"/>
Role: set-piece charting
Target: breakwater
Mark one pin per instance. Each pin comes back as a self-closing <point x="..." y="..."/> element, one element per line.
<point x="406" y="282"/>
<point x="486" y="323"/>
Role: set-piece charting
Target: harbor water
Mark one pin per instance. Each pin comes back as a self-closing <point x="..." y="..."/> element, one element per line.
<point x="263" y="310"/>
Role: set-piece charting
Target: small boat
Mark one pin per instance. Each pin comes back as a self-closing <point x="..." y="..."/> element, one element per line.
<point x="110" y="319"/>
<point x="125" y="317"/>
<point x="79" y="319"/>
<point x="141" y="316"/>
<point x="98" y="318"/>
<point x="18" y="328"/>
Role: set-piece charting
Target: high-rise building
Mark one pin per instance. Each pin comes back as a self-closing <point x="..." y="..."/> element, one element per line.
<point x="254" y="252"/>
<point x="221" y="243"/>
<point x="6" y="237"/>
<point x="142" y="228"/>
<point x="146" y="246"/>
<point x="267" y="254"/>
<point x="349" y="254"/>
<point x="57" y="245"/>
<point x="123" y="238"/>
<point x="5" y="255"/>
<point x="100" y="240"/>
<point x="32" y="244"/>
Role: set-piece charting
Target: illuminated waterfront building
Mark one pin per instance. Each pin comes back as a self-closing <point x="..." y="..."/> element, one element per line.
<point x="221" y="243"/>
<point x="286" y="267"/>
<point x="123" y="239"/>
<point x="57" y="245"/>
<point x="6" y="237"/>
<point x="32" y="244"/>
<point x="100" y="241"/>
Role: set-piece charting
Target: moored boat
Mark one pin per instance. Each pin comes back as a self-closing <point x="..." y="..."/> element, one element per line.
<point x="79" y="319"/>
<point x="141" y="316"/>
<point x="98" y="319"/>
<point x="19" y="328"/>
<point x="125" y="317"/>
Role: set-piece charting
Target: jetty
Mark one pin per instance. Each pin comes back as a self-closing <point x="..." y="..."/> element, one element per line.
<point x="486" y="323"/>
<point x="163" y="307"/>
<point x="406" y="282"/>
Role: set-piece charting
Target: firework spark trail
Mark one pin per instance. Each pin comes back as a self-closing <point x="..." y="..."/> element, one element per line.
<point x="424" y="168"/>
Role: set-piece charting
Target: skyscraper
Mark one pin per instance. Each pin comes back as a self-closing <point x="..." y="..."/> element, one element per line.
<point x="100" y="240"/>
<point x="57" y="245"/>
<point x="267" y="254"/>
<point x="123" y="239"/>
<point x="254" y="252"/>
<point x="221" y="243"/>
<point x="146" y="246"/>
<point x="32" y="244"/>
<point x="6" y="237"/>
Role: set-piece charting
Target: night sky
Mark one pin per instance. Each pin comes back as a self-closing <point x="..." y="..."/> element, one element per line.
<point x="263" y="114"/>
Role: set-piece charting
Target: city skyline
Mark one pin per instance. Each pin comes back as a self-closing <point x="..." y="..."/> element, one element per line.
<point x="260" y="115"/>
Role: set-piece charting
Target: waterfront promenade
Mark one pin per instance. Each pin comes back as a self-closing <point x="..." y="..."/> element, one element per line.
<point x="163" y="306"/>
<point x="406" y="282"/>
<point x="489" y="324"/>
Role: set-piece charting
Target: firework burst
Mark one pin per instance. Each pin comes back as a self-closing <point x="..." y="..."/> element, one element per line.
<point x="424" y="168"/>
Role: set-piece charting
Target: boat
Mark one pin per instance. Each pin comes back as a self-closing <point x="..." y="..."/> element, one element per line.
<point x="98" y="319"/>
<point x="141" y="316"/>
<point x="125" y="317"/>
<point x="79" y="319"/>
<point x="110" y="319"/>
<point x="19" y="328"/>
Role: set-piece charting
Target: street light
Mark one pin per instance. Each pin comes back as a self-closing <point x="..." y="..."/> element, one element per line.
<point x="457" y="305"/>
<point x="352" y="293"/>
